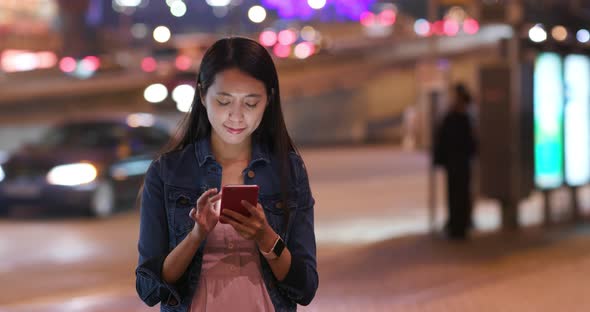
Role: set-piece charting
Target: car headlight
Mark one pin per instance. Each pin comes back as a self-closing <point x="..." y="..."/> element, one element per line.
<point x="2" y="175"/>
<point x="72" y="174"/>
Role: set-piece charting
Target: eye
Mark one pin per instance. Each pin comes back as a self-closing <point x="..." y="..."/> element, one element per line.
<point x="222" y="103"/>
<point x="252" y="105"/>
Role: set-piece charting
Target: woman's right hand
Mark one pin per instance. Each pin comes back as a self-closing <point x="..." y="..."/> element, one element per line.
<point x="206" y="213"/>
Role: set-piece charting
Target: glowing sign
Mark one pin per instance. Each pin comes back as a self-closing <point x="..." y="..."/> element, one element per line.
<point x="548" y="119"/>
<point x="577" y="118"/>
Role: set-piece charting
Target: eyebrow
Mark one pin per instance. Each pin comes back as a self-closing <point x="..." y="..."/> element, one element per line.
<point x="249" y="95"/>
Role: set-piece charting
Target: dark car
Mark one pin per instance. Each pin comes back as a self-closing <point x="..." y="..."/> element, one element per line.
<point x="92" y="166"/>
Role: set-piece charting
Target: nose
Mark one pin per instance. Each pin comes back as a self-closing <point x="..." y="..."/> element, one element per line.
<point x="236" y="113"/>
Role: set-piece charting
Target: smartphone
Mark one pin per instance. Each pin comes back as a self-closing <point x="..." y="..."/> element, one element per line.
<point x="233" y="194"/>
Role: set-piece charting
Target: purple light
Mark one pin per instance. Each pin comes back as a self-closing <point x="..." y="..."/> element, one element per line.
<point x="367" y="19"/>
<point x="300" y="9"/>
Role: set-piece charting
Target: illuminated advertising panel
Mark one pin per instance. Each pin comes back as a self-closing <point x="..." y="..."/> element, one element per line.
<point x="548" y="121"/>
<point x="577" y="115"/>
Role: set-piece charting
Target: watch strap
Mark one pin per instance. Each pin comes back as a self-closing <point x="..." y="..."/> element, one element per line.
<point x="276" y="250"/>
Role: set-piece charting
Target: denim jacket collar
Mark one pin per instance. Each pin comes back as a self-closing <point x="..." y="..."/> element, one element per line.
<point x="204" y="152"/>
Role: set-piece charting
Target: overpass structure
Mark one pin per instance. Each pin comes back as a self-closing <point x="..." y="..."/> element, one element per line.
<point x="356" y="90"/>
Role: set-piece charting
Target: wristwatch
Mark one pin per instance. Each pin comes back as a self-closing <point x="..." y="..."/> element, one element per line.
<point x="276" y="251"/>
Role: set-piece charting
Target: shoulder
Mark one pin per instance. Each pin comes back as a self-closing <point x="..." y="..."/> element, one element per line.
<point x="171" y="161"/>
<point x="295" y="158"/>
<point x="298" y="168"/>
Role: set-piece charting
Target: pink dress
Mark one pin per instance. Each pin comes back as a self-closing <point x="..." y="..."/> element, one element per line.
<point x="231" y="278"/>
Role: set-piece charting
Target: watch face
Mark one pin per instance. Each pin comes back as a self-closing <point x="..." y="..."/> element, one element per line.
<point x="279" y="246"/>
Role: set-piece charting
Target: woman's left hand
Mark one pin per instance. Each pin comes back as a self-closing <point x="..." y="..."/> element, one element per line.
<point x="254" y="227"/>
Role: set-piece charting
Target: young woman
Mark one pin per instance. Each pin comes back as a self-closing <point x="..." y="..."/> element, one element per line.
<point x="235" y="134"/>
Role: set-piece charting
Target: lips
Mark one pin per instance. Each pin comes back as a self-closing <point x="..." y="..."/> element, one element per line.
<point x="234" y="130"/>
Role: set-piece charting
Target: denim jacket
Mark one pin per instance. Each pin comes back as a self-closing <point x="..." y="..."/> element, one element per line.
<point x="173" y="184"/>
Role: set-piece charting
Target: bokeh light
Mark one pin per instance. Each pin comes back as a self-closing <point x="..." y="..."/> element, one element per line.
<point x="387" y="17"/>
<point x="438" y="28"/>
<point x="470" y="26"/>
<point x="149" y="64"/>
<point x="304" y="50"/>
<point x="183" y="62"/>
<point x="162" y="34"/>
<point x="155" y="93"/>
<point x="268" y="38"/>
<point x="128" y="3"/>
<point x="287" y="37"/>
<point x="422" y="27"/>
<point x="559" y="33"/>
<point x="451" y="27"/>
<point x="218" y="3"/>
<point x="367" y="19"/>
<point x="178" y="8"/>
<point x="316" y="4"/>
<point x="583" y="35"/>
<point x="91" y="63"/>
<point x="183" y="95"/>
<point x="46" y="59"/>
<point x="139" y="30"/>
<point x="282" y="51"/>
<point x="309" y="33"/>
<point x="537" y="33"/>
<point x="67" y="64"/>
<point x="257" y="14"/>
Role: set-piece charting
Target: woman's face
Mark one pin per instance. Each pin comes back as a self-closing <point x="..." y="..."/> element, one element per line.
<point x="235" y="104"/>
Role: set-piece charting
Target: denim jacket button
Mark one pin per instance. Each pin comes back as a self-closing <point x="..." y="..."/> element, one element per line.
<point x="279" y="205"/>
<point x="251" y="174"/>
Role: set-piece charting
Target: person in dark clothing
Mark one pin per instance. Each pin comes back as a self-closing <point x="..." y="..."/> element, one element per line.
<point x="455" y="146"/>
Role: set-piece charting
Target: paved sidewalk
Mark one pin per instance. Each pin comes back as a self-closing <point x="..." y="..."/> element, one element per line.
<point x="371" y="255"/>
<point x="532" y="270"/>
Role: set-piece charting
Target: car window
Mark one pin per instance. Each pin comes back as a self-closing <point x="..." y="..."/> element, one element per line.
<point x="84" y="135"/>
<point x="153" y="138"/>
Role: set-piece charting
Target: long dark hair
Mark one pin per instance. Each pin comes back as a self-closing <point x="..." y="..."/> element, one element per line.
<point x="253" y="59"/>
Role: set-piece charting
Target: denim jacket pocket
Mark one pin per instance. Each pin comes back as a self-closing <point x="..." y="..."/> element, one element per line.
<point x="276" y="213"/>
<point x="180" y="203"/>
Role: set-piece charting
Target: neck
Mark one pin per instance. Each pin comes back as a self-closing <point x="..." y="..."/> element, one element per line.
<point x="224" y="152"/>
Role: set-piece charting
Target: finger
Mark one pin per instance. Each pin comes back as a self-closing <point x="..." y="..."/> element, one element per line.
<point x="236" y="215"/>
<point x="214" y="198"/>
<point x="254" y="210"/>
<point x="205" y="196"/>
<point x="191" y="213"/>
<point x="240" y="228"/>
<point x="217" y="207"/>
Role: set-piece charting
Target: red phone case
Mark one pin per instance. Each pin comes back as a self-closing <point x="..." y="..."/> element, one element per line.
<point x="232" y="196"/>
